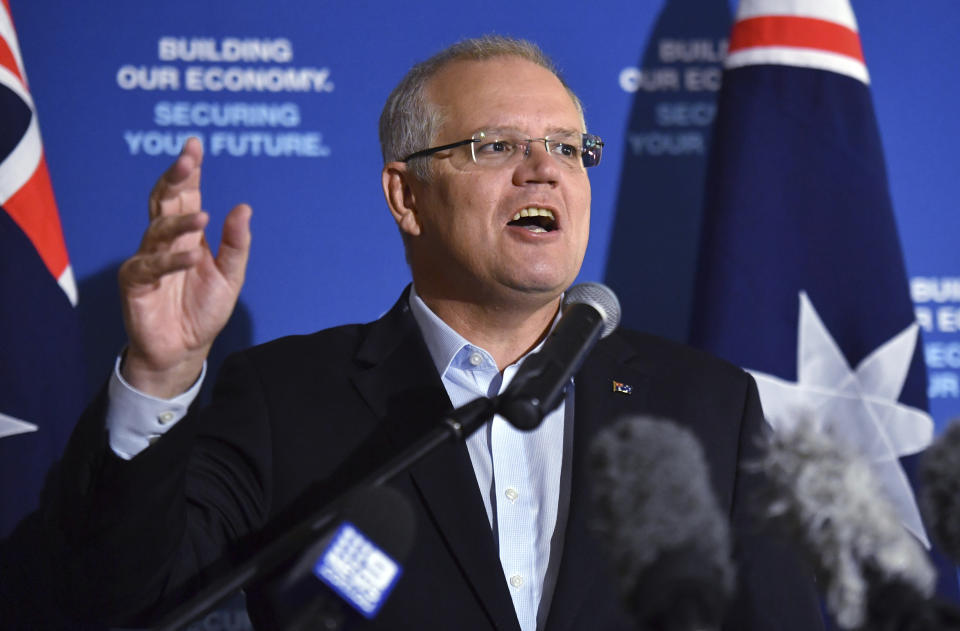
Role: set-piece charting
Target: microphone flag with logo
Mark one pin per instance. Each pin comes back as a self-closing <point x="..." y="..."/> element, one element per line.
<point x="41" y="371"/>
<point x="801" y="279"/>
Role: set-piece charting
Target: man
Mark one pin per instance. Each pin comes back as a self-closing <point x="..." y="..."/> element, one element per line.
<point x="486" y="153"/>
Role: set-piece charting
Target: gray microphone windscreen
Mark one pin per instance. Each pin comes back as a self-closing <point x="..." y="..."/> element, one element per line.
<point x="654" y="508"/>
<point x="940" y="490"/>
<point x="825" y="497"/>
<point x="601" y="298"/>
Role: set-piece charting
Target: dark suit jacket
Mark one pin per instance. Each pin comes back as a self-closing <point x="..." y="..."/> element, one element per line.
<point x="296" y="420"/>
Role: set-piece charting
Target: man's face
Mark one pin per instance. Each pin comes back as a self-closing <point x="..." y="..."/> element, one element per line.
<point x="468" y="245"/>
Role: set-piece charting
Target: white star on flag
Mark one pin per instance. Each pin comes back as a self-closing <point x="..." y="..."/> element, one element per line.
<point x="858" y="407"/>
<point x="10" y="426"/>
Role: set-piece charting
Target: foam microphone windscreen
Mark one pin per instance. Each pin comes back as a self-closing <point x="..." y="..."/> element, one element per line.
<point x="654" y="509"/>
<point x="940" y="490"/>
<point x="824" y="496"/>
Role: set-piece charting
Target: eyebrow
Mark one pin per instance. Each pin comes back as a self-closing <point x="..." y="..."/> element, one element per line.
<point x="551" y="131"/>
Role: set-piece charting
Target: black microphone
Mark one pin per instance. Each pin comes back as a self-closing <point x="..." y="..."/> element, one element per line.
<point x="356" y="563"/>
<point x="940" y="490"/>
<point x="590" y="311"/>
<point x="668" y="540"/>
<point x="873" y="573"/>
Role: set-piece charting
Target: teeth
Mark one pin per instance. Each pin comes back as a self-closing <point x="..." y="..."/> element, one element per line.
<point x="534" y="212"/>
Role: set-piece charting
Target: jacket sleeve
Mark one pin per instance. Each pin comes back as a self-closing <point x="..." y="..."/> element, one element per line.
<point x="129" y="535"/>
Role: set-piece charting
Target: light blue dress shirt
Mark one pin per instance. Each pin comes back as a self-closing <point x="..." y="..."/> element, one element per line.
<point x="518" y="472"/>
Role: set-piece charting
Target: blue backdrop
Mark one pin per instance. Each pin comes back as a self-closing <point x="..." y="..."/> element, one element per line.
<point x="117" y="85"/>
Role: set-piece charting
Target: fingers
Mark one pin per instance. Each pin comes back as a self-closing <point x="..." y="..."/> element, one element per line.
<point x="235" y="245"/>
<point x="164" y="231"/>
<point x="171" y="243"/>
<point x="178" y="189"/>
<point x="174" y="243"/>
<point x="145" y="270"/>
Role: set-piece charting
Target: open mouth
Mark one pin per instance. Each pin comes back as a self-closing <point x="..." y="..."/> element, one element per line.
<point x="535" y="219"/>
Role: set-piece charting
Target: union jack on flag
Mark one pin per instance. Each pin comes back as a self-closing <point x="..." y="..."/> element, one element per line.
<point x="25" y="191"/>
<point x="41" y="377"/>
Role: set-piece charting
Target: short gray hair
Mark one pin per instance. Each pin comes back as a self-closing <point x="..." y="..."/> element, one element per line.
<point x="409" y="122"/>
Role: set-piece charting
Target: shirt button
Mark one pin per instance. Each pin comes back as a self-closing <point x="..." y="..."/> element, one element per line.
<point x="511" y="494"/>
<point x="165" y="417"/>
<point x="475" y="358"/>
<point x="516" y="581"/>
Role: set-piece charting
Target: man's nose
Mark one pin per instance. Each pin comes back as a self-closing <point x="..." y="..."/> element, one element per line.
<point x="537" y="165"/>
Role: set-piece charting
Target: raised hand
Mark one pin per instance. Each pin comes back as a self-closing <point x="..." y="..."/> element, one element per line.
<point x="176" y="296"/>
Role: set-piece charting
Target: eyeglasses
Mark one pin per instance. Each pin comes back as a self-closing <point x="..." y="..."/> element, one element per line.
<point x="494" y="149"/>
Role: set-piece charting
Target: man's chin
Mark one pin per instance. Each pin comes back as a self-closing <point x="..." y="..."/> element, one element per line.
<point x="537" y="291"/>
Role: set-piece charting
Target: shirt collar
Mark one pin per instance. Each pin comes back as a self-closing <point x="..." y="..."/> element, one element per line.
<point x="443" y="342"/>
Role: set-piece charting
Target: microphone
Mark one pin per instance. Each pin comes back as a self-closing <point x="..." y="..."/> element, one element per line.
<point x="873" y="573"/>
<point x="357" y="564"/>
<point x="590" y="311"/>
<point x="940" y="490"/>
<point x="667" y="538"/>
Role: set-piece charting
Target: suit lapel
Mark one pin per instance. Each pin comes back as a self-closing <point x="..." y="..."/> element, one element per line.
<point x="596" y="405"/>
<point x="400" y="384"/>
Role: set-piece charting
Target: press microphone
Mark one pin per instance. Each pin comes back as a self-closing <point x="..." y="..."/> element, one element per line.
<point x="940" y="490"/>
<point x="347" y="573"/>
<point x="667" y="539"/>
<point x="873" y="573"/>
<point x="590" y="311"/>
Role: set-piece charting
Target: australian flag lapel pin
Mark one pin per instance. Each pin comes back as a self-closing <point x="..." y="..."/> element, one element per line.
<point x="622" y="388"/>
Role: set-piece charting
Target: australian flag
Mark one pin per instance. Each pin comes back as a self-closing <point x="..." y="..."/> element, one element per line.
<point x="801" y="279"/>
<point x="41" y="365"/>
<point x="41" y="377"/>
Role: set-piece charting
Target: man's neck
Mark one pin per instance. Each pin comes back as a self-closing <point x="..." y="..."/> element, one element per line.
<point x="505" y="330"/>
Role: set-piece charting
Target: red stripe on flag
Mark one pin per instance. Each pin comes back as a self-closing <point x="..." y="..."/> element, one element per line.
<point x="6" y="55"/>
<point x="35" y="211"/>
<point x="797" y="32"/>
<point x="7" y="60"/>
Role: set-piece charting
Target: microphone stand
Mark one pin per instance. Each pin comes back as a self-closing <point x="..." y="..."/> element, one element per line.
<point x="457" y="425"/>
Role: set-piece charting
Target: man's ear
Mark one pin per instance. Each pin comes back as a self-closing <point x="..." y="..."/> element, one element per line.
<point x="397" y="190"/>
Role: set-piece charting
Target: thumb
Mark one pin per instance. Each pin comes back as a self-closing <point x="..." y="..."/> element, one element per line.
<point x="235" y="245"/>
